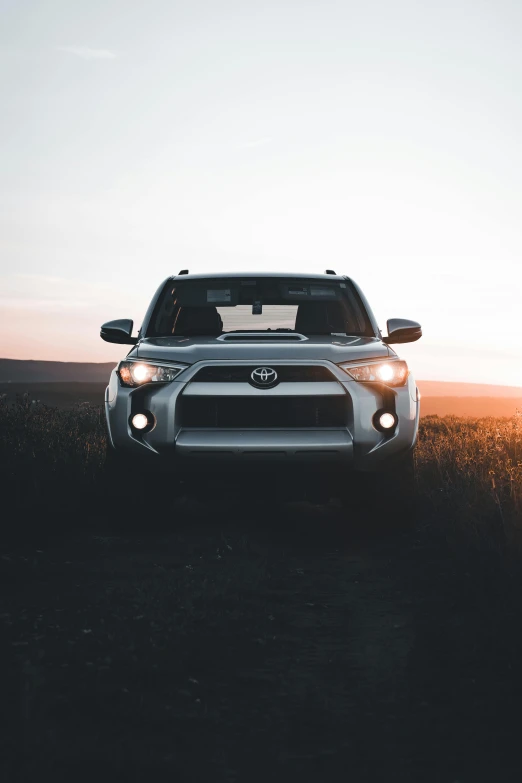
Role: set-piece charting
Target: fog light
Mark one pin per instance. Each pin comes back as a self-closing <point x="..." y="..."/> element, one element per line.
<point x="140" y="421"/>
<point x="387" y="421"/>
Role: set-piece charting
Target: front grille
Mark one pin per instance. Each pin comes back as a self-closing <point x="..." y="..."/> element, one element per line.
<point x="259" y="412"/>
<point x="242" y="373"/>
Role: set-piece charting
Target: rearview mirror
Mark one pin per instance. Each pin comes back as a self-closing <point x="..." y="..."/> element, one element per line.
<point x="119" y="331"/>
<point x="402" y="331"/>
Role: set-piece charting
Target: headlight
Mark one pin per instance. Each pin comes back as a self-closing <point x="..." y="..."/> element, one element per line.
<point x="393" y="373"/>
<point x="138" y="373"/>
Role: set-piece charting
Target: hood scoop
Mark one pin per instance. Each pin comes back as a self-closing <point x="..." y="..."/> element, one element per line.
<point x="261" y="337"/>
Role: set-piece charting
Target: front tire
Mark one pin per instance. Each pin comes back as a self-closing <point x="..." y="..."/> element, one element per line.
<point x="118" y="473"/>
<point x="123" y="499"/>
<point x="399" y="495"/>
<point x="384" y="502"/>
<point x="131" y="488"/>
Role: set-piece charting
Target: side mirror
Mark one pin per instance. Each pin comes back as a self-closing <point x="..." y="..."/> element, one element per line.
<point x="402" y="331"/>
<point x="119" y="331"/>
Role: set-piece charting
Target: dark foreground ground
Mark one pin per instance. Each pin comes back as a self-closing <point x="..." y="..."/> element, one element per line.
<point x="213" y="642"/>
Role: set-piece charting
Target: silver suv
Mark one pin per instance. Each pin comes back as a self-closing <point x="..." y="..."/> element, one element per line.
<point x="275" y="374"/>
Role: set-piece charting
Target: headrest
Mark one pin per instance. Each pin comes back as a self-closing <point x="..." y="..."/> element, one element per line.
<point x="320" y="318"/>
<point x="198" y="320"/>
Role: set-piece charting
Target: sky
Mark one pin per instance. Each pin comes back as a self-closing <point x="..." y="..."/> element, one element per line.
<point x="378" y="139"/>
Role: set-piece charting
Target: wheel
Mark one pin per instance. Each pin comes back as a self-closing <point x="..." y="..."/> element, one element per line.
<point x="398" y="500"/>
<point x="122" y="501"/>
<point x="119" y="474"/>
<point x="383" y="502"/>
<point x="131" y="487"/>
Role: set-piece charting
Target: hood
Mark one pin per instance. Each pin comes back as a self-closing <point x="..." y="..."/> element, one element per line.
<point x="189" y="350"/>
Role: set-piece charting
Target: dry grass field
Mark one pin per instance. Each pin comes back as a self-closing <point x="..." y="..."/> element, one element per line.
<point x="469" y="400"/>
<point x="210" y="644"/>
<point x="56" y="394"/>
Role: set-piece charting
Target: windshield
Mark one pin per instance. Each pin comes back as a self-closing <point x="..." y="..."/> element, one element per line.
<point x="213" y="306"/>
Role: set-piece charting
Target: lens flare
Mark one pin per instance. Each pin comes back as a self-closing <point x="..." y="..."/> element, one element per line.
<point x="125" y="375"/>
<point x="140" y="372"/>
<point x="385" y="372"/>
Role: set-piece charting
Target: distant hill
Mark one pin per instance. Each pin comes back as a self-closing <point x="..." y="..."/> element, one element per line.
<point x="444" y="398"/>
<point x="452" y="389"/>
<point x="66" y="383"/>
<point x="28" y="371"/>
<point x="476" y="407"/>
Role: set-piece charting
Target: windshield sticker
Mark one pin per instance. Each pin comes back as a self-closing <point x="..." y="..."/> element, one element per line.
<point x="218" y="295"/>
<point x="298" y="291"/>
<point x="316" y="291"/>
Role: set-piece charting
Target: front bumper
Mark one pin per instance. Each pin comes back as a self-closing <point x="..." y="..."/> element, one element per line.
<point x="352" y="443"/>
<point x="262" y="445"/>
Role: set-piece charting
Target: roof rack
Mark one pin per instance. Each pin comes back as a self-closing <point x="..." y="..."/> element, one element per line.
<point x="329" y="272"/>
<point x="183" y="272"/>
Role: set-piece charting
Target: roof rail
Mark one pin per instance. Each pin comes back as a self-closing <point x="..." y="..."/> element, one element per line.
<point x="329" y="272"/>
<point x="183" y="272"/>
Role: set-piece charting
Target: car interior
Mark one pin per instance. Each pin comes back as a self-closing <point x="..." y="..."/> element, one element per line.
<point x="311" y="318"/>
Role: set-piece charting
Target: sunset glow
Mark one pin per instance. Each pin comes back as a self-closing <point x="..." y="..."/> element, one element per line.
<point x="381" y="140"/>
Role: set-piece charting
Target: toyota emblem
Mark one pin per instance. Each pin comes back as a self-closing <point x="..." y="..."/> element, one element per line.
<point x="264" y="377"/>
